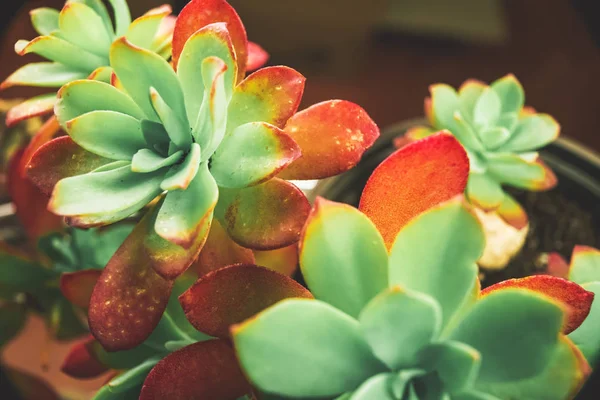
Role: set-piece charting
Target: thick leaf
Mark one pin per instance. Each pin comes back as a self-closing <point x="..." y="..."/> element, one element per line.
<point x="468" y="94"/>
<point x="504" y="316"/>
<point x="512" y="212"/>
<point x="58" y="159"/>
<point x="384" y="323"/>
<point x="516" y="170"/>
<point x="287" y="348"/>
<point x="487" y="109"/>
<point x="101" y="198"/>
<point x="122" y="16"/>
<point x="43" y="74"/>
<point x="442" y="106"/>
<point x="466" y="135"/>
<point x="180" y="176"/>
<point x="125" y="58"/>
<point x="557" y="266"/>
<point x="120" y="359"/>
<point x="264" y="217"/>
<point x="60" y="51"/>
<point x="44" y="20"/>
<point x="257" y="56"/>
<point x="586" y="336"/>
<point x="456" y="364"/>
<point x="342" y="256"/>
<point x="510" y="92"/>
<point x="80" y="363"/>
<point x="211" y="41"/>
<point x="532" y="132"/>
<point x="283" y="260"/>
<point x="143" y="30"/>
<point x="484" y="191"/>
<point x="378" y="387"/>
<point x="107" y="133"/>
<point x="146" y="160"/>
<point x="200" y="13"/>
<point x="130" y="297"/>
<point x="100" y="9"/>
<point x="585" y="265"/>
<point x="34" y="107"/>
<point x="204" y="370"/>
<point x="436" y="254"/>
<point x="81" y="97"/>
<point x="177" y="128"/>
<point x="333" y="136"/>
<point x="12" y="319"/>
<point x="220" y="251"/>
<point x="270" y="95"/>
<point x="80" y="25"/>
<point x="412" y="180"/>
<point x="577" y="299"/>
<point x="20" y="272"/>
<point x="133" y="379"/>
<point x="493" y="138"/>
<point x="253" y="154"/>
<point x="186" y="214"/>
<point x="77" y="286"/>
<point x="233" y="294"/>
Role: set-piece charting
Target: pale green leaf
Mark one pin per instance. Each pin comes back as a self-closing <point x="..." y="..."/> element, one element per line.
<point x="146" y="160"/>
<point x="122" y="16"/>
<point x="531" y="133"/>
<point x="586" y="336"/>
<point x="178" y="130"/>
<point x="80" y="25"/>
<point x="44" y="20"/>
<point x="510" y="92"/>
<point x="43" y="74"/>
<point x="378" y="387"/>
<point x="484" y="191"/>
<point x="456" y="364"/>
<point x="487" y="109"/>
<point x="180" y="176"/>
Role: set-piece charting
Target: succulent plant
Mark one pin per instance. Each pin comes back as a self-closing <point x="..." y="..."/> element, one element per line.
<point x="76" y="43"/>
<point x="411" y="323"/>
<point x="204" y="140"/>
<point x="501" y="137"/>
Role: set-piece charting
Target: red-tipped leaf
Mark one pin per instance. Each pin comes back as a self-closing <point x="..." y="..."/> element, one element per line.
<point x="80" y="363"/>
<point x="77" y="287"/>
<point x="257" y="56"/>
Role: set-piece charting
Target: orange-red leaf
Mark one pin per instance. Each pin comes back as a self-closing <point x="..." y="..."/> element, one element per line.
<point x="77" y="286"/>
<point x="333" y="136"/>
<point x="574" y="296"/>
<point x="257" y="56"/>
<point x="80" y="363"/>
<point x="412" y="180"/>
<point x="233" y="294"/>
<point x="557" y="266"/>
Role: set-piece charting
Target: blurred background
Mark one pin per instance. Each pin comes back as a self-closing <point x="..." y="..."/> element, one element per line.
<point x="383" y="54"/>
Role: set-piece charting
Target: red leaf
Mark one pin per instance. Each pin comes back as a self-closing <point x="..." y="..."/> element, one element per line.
<point x="233" y="294"/>
<point x="203" y="370"/>
<point x="257" y="57"/>
<point x="333" y="136"/>
<point x="574" y="296"/>
<point x="77" y="286"/>
<point x="80" y="363"/>
<point x="412" y="180"/>
<point x="557" y="266"/>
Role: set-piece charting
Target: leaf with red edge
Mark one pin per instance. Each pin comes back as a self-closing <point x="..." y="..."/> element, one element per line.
<point x="585" y="265"/>
<point x="578" y="300"/>
<point x="204" y="370"/>
<point x="233" y="294"/>
<point x="263" y="217"/>
<point x="46" y="133"/>
<point x="257" y="56"/>
<point x="412" y="180"/>
<point x="77" y="286"/>
<point x="557" y="266"/>
<point x="270" y="95"/>
<point x="58" y="159"/>
<point x="34" y="107"/>
<point x="199" y="13"/>
<point x="29" y="387"/>
<point x="130" y="297"/>
<point x="333" y="136"/>
<point x="512" y="212"/>
<point x="220" y="251"/>
<point x="80" y="363"/>
<point x="284" y="260"/>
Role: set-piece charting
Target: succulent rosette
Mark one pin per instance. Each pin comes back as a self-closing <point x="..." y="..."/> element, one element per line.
<point x="76" y="42"/>
<point x="196" y="142"/>
<point x="411" y="322"/>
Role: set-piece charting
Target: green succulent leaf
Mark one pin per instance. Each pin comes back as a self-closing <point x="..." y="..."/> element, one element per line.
<point x="531" y="133"/>
<point x="44" y="74"/>
<point x="474" y="395"/>
<point x="495" y="327"/>
<point x="122" y="16"/>
<point x="420" y="257"/>
<point x="80" y="25"/>
<point x="12" y="320"/>
<point x="378" y="387"/>
<point x="484" y="191"/>
<point x="444" y="103"/>
<point x="102" y="198"/>
<point x="586" y="335"/>
<point x="133" y="377"/>
<point x="343" y="257"/>
<point x="96" y="246"/>
<point x="100" y="9"/>
<point x="328" y="356"/>
<point x="61" y="51"/>
<point x="493" y="138"/>
<point x="456" y="364"/>
<point x="143" y="30"/>
<point x="146" y="160"/>
<point x="181" y="175"/>
<point x="108" y="134"/>
<point x="105" y="393"/>
<point x="402" y="385"/>
<point x="384" y="324"/>
<point x="156" y="136"/>
<point x="508" y="121"/>
<point x="180" y="285"/>
<point x="177" y="129"/>
<point x="465" y="134"/>
<point x="468" y="95"/>
<point x="516" y="170"/>
<point x="44" y="20"/>
<point x="487" y="109"/>
<point x="585" y="265"/>
<point x="510" y="93"/>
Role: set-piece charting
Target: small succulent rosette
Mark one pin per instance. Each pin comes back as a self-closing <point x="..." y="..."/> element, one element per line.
<point x="197" y="143"/>
<point x="501" y="137"/>
<point x="76" y="42"/>
<point x="399" y="313"/>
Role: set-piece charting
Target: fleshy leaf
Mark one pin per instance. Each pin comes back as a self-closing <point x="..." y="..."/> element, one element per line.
<point x="102" y="198"/>
<point x="515" y="170"/>
<point x="377" y="387"/>
<point x="220" y="251"/>
<point x="186" y="214"/>
<point x="283" y="260"/>
<point x="419" y="258"/>
<point x="107" y="133"/>
<point x="304" y="338"/>
<point x="177" y="128"/>
<point x="263" y="217"/>
<point x="257" y="56"/>
<point x="143" y="30"/>
<point x="43" y="74"/>
<point x="58" y="159"/>
<point x="80" y="25"/>
<point x="269" y="95"/>
<point x="512" y="212"/>
<point x="384" y="325"/>
<point x="60" y="51"/>
<point x="130" y="297"/>
<point x="333" y="136"/>
<point x="44" y="20"/>
<point x="493" y="138"/>
<point x="585" y="265"/>
<point x="577" y="299"/>
<point x="532" y="132"/>
<point x="484" y="191"/>
<point x="181" y="176"/>
<point x="347" y="280"/>
<point x="34" y="107"/>
<point x="122" y="16"/>
<point x="456" y="364"/>
<point x="200" y="13"/>
<point x="443" y="105"/>
<point x="204" y="370"/>
<point x="487" y="109"/>
<point x="504" y="315"/>
<point x="80" y="363"/>
<point x="77" y="286"/>
<point x="468" y="94"/>
<point x="254" y="153"/>
<point x="233" y="294"/>
<point x="586" y="336"/>
<point x="557" y="266"/>
<point x="401" y="186"/>
<point x="510" y="92"/>
<point x="146" y="160"/>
